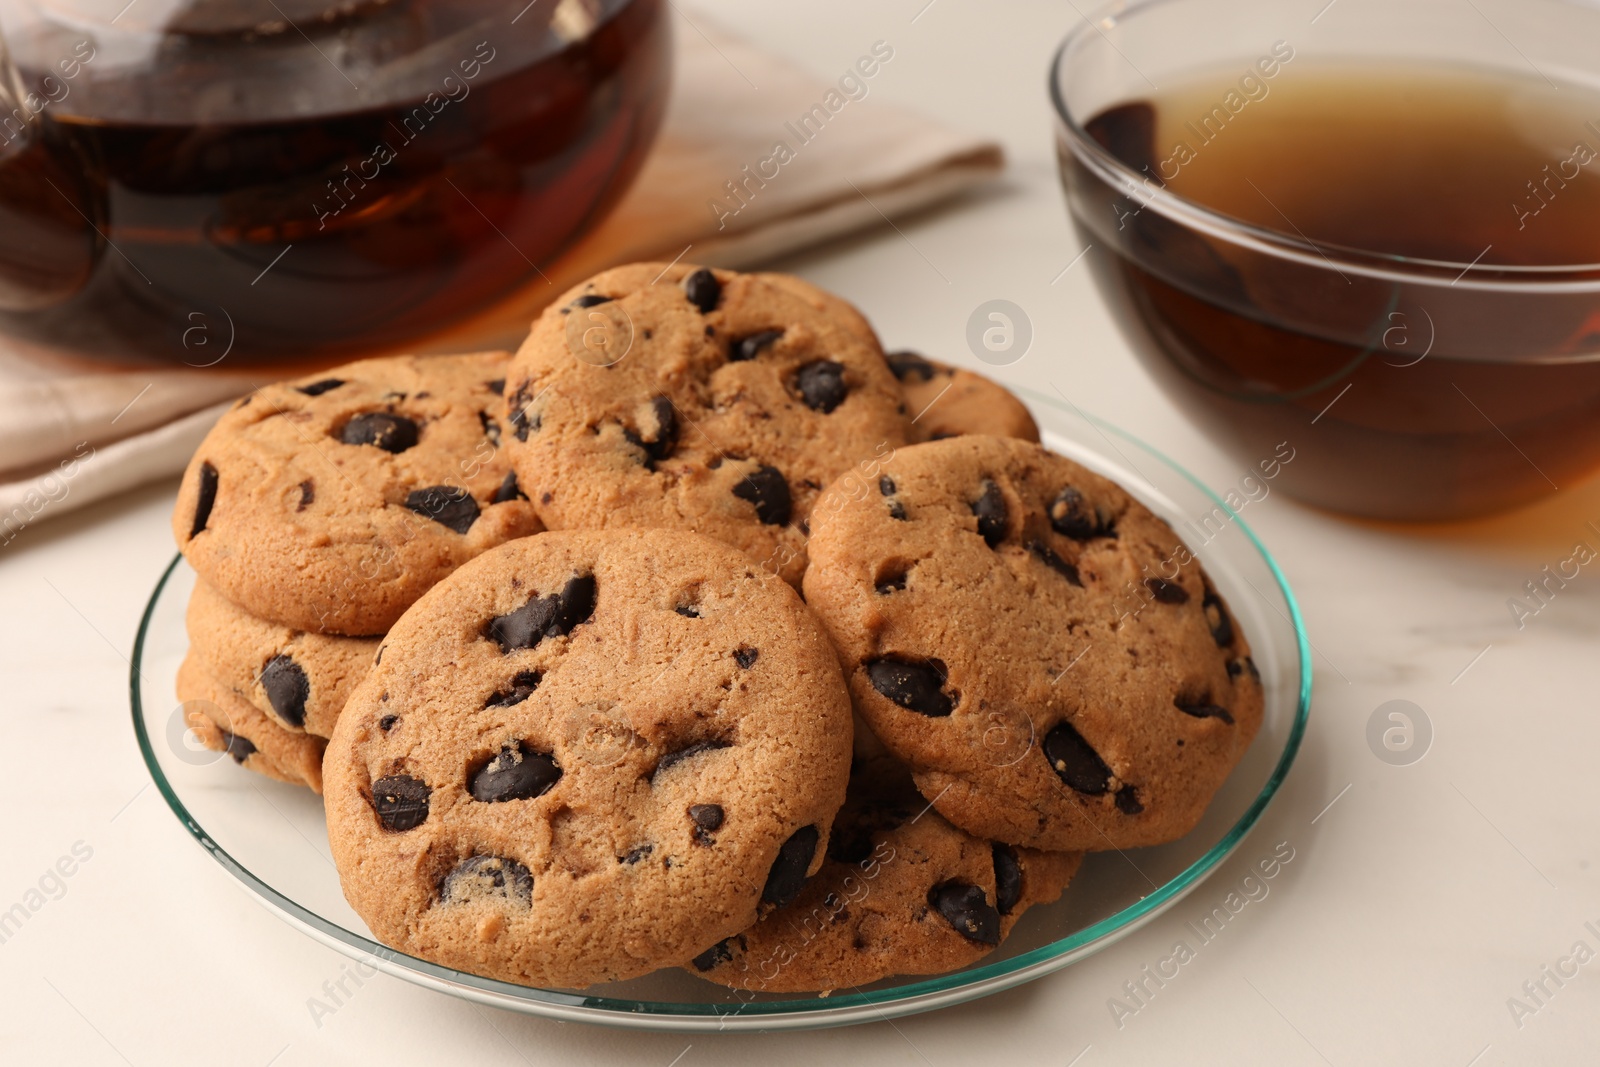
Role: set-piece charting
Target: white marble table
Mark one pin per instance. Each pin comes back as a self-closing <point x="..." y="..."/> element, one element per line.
<point x="1417" y="905"/>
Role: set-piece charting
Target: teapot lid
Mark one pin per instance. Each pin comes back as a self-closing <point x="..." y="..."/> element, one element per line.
<point x="207" y="18"/>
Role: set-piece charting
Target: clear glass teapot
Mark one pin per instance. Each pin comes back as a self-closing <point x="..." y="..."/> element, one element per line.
<point x="326" y="177"/>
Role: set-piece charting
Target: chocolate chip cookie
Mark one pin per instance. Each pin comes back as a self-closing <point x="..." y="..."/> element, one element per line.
<point x="226" y="722"/>
<point x="682" y="397"/>
<point x="1043" y="651"/>
<point x="946" y="401"/>
<point x="301" y="680"/>
<point x="902" y="892"/>
<point x="330" y="504"/>
<point x="586" y="755"/>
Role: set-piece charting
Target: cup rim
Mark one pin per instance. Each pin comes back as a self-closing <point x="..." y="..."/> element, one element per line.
<point x="1571" y="277"/>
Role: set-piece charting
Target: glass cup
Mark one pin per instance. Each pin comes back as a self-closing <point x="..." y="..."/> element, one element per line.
<point x="312" y="178"/>
<point x="1408" y="388"/>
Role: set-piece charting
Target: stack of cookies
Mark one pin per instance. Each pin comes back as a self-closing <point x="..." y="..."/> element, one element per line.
<point x="823" y="671"/>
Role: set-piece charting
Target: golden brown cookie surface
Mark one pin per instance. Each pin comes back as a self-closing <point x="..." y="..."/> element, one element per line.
<point x="586" y="755"/>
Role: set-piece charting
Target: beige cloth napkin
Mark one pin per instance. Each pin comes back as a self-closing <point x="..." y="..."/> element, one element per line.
<point x="72" y="433"/>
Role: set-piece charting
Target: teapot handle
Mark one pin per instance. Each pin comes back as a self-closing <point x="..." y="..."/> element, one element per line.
<point x="50" y="239"/>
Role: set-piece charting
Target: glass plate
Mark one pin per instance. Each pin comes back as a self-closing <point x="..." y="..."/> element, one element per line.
<point x="272" y="837"/>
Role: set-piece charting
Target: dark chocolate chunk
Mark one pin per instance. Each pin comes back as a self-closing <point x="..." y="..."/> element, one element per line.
<point x="541" y="617"/>
<point x="446" y="505"/>
<point x="766" y="489"/>
<point x="509" y="490"/>
<point x="917" y="685"/>
<point x="821" y="385"/>
<point x="672" y="758"/>
<point x="897" y="510"/>
<point x="1048" y="557"/>
<point x="706" y="818"/>
<point x="205" y="499"/>
<point x="517" y="413"/>
<point x="522" y="686"/>
<point x="788" y="872"/>
<point x="634" y="855"/>
<point x="240" y="748"/>
<point x="886" y="485"/>
<point x="750" y="347"/>
<point x="745" y="656"/>
<point x="664" y="438"/>
<point x="910" y="365"/>
<point x="479" y="878"/>
<point x="688" y="611"/>
<point x="496" y="386"/>
<point x="327" y="385"/>
<point x="1167" y="592"/>
<point x="1007" y="878"/>
<point x="1072" y="517"/>
<point x="703" y="290"/>
<point x="516" y="773"/>
<point x="308" y="494"/>
<point x="491" y="429"/>
<point x="1075" y="762"/>
<point x="392" y="433"/>
<point x="714" y="956"/>
<point x="287" y="688"/>
<point x="589" y="300"/>
<point x="401" y="802"/>
<point x="990" y="509"/>
<point x="1127" y="801"/>
<point x="387" y="722"/>
<point x="1217" y="617"/>
<point x="967" y="910"/>
<point x="1204" y="710"/>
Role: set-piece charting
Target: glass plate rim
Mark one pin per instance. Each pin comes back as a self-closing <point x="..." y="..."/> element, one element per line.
<point x="602" y="1010"/>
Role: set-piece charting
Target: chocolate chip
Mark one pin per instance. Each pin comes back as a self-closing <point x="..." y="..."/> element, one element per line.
<point x="1007" y="878"/>
<point x="1167" y="592"/>
<point x="287" y="688"/>
<point x="990" y="509"/>
<point x="517" y="413"/>
<point x="541" y="617"/>
<point x="673" y="758"/>
<point x="821" y="385"/>
<point x="479" y="878"/>
<point x="1217" y="617"/>
<point x="750" y="347"/>
<point x="703" y="290"/>
<point x="766" y="489"/>
<point x="1204" y="710"/>
<point x="967" y="910"/>
<point x="664" y="438"/>
<point x="1075" y="762"/>
<point x="1127" y="801"/>
<point x="446" y="505"/>
<point x="886" y="485"/>
<point x="788" y="872"/>
<point x="897" y="510"/>
<point x="1048" y="557"/>
<point x="392" y="433"/>
<point x="915" y="685"/>
<point x="522" y="686"/>
<point x="387" y="722"/>
<point x="688" y="611"/>
<point x="714" y="956"/>
<point x="308" y="494"/>
<point x="327" y="385"/>
<point x="401" y="802"/>
<point x="496" y="386"/>
<point x="516" y="773"/>
<point x="706" y="818"/>
<point x="491" y="429"/>
<point x="509" y="490"/>
<point x="634" y="855"/>
<point x="205" y="499"/>
<point x="589" y="300"/>
<point x="745" y="656"/>
<point x="910" y="365"/>
<point x="1073" y="518"/>
<point x="240" y="748"/>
